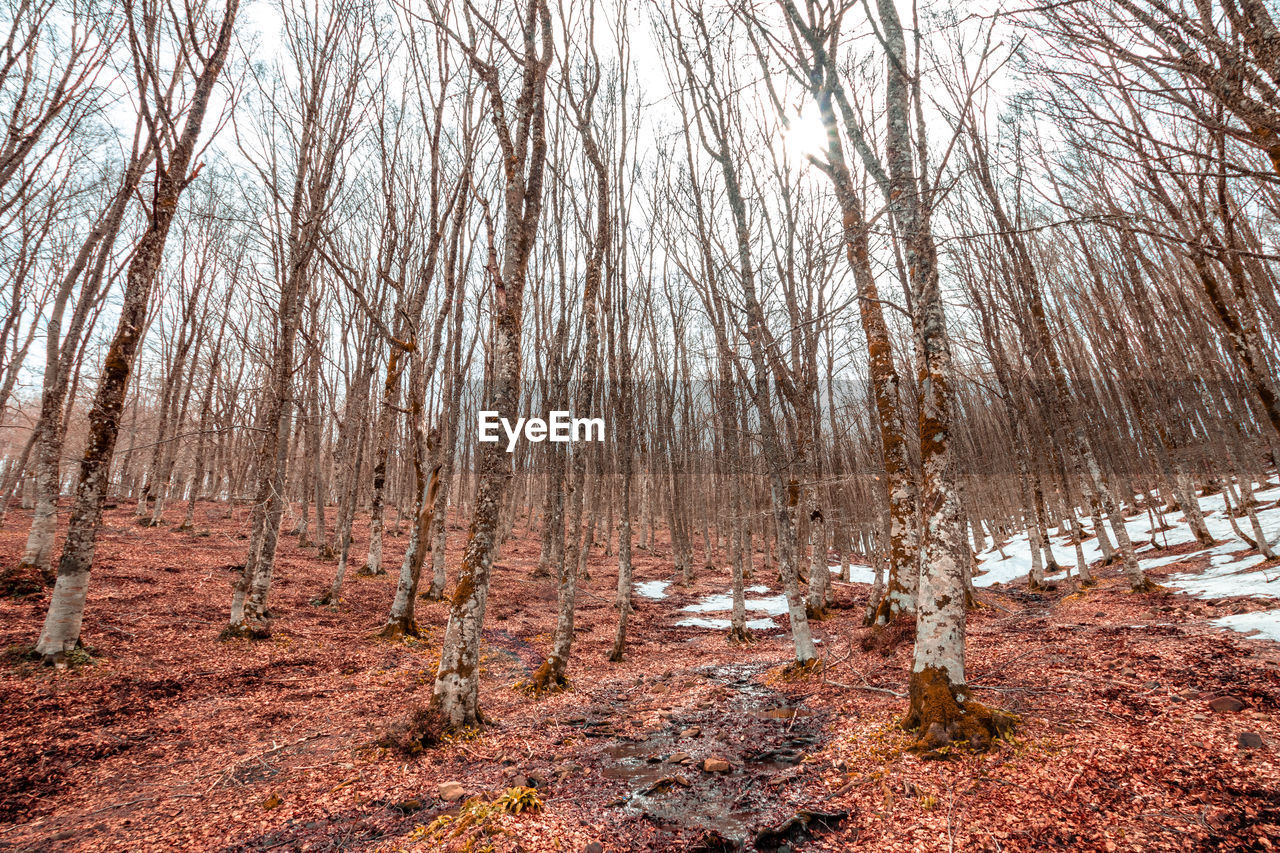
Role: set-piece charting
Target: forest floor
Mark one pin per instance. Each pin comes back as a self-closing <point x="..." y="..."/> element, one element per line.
<point x="174" y="740"/>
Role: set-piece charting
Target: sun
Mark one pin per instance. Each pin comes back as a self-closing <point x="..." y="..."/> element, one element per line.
<point x="805" y="135"/>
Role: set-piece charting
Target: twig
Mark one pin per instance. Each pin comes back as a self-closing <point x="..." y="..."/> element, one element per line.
<point x="139" y="800"/>
<point x="951" y="804"/>
<point x="1080" y="772"/>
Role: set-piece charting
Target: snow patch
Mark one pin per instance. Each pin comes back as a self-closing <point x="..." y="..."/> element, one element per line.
<point x="723" y="624"/>
<point x="1263" y="625"/>
<point x="1224" y="579"/>
<point x="775" y="605"/>
<point x="857" y="573"/>
<point x="652" y="589"/>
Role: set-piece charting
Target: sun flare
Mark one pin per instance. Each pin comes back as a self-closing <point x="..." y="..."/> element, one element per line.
<point x="805" y="134"/>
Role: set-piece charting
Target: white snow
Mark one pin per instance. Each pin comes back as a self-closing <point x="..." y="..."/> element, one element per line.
<point x="723" y="624"/>
<point x="652" y="589"/>
<point x="1224" y="578"/>
<point x="992" y="568"/>
<point x="1264" y="625"/>
<point x="774" y="605"/>
<point x="1228" y="573"/>
<point x="857" y="573"/>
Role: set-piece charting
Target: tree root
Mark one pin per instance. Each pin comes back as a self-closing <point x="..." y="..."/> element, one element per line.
<point x="78" y="657"/>
<point x="1145" y="585"/>
<point x="942" y="721"/>
<point x="801" y="669"/>
<point x="246" y="631"/>
<point x="818" y="614"/>
<point x="740" y="636"/>
<point x="399" y="629"/>
<point x="545" y="679"/>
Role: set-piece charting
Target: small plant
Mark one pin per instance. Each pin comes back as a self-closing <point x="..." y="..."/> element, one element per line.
<point x="520" y="799"/>
<point x="476" y="820"/>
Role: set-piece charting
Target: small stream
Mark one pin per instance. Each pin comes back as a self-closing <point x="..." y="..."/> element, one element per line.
<point x="752" y="727"/>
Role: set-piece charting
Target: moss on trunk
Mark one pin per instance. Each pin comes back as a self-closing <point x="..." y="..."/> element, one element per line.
<point x="943" y="719"/>
<point x="399" y="628"/>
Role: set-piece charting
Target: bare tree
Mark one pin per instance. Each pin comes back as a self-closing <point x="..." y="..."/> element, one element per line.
<point x="174" y="110"/>
<point x="521" y="135"/>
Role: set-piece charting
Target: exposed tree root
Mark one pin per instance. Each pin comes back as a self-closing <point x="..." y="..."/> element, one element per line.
<point x="545" y="679"/>
<point x="1145" y="585"/>
<point x="818" y="614"/>
<point x="942" y="721"/>
<point x="246" y="631"/>
<point x="326" y="599"/>
<point x="366" y="573"/>
<point x="399" y="629"/>
<point x="740" y="636"/>
<point x="801" y="669"/>
<point x="78" y="657"/>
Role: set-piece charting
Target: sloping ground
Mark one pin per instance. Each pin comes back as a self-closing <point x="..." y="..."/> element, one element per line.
<point x="176" y="741"/>
<point x="1230" y="569"/>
